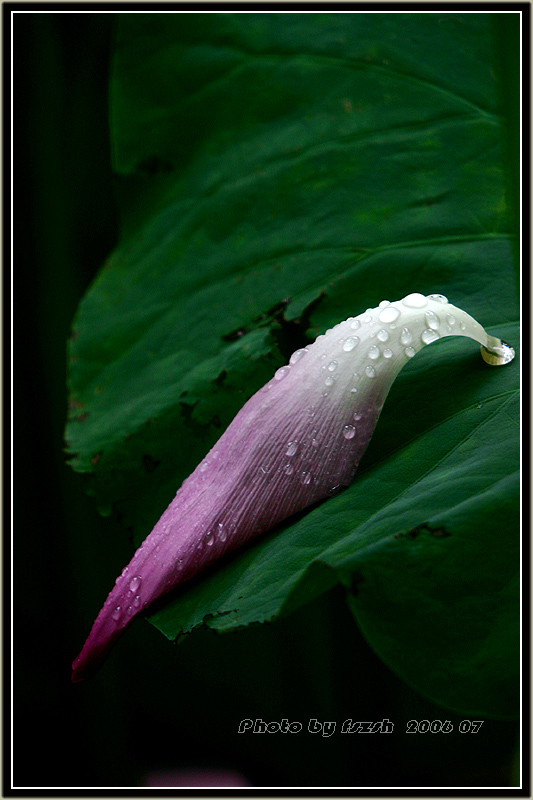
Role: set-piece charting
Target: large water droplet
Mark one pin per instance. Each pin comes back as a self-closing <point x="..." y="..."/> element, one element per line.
<point x="135" y="583"/>
<point x="429" y="336"/>
<point x="415" y="300"/>
<point x="292" y="449"/>
<point x="406" y="337"/>
<point x="439" y="298"/>
<point x="387" y="352"/>
<point x="350" y="343"/>
<point x="370" y="371"/>
<point x="410" y="352"/>
<point x="374" y="352"/>
<point x="281" y="373"/>
<point x="384" y="303"/>
<point x="332" y="366"/>
<point x="432" y="321"/>
<point x="389" y="314"/>
<point x="306" y="478"/>
<point x="383" y="336"/>
<point x="117" y="613"/>
<point x="222" y="533"/>
<point x="297" y="355"/>
<point x="355" y="325"/>
<point x="348" y="431"/>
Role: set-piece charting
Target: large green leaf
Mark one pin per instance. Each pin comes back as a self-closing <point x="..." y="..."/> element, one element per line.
<point x="278" y="173"/>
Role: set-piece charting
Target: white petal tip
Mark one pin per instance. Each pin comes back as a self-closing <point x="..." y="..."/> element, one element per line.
<point x="498" y="356"/>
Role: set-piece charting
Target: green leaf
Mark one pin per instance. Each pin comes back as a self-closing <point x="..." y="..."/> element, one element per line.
<point x="278" y="173"/>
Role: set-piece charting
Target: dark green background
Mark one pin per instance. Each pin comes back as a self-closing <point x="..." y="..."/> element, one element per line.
<point x="159" y="706"/>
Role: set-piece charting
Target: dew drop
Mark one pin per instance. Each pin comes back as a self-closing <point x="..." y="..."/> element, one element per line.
<point x="125" y="572"/>
<point x="306" y="478"/>
<point x="406" y="336"/>
<point x="135" y="583"/>
<point x="288" y="469"/>
<point x="350" y="343"/>
<point x="332" y="366"/>
<point x="348" y="431"/>
<point x="439" y="298"/>
<point x="450" y="319"/>
<point x="357" y="416"/>
<point x="384" y="303"/>
<point x="462" y="326"/>
<point x="116" y="613"/>
<point x="355" y="325"/>
<point x="370" y="371"/>
<point x="297" y="355"/>
<point x="383" y="336"/>
<point x="429" y="336"/>
<point x="137" y="601"/>
<point x="368" y="318"/>
<point x="203" y="466"/>
<point x="129" y="611"/>
<point x="292" y="449"/>
<point x="117" y="580"/>
<point x="432" y="321"/>
<point x="389" y="314"/>
<point x="410" y="352"/>
<point x="314" y="442"/>
<point x="209" y="538"/>
<point x="329" y="380"/>
<point x="281" y="373"/>
<point x="415" y="300"/>
<point x="222" y="533"/>
<point x="387" y="353"/>
<point x="353" y="390"/>
<point x="374" y="352"/>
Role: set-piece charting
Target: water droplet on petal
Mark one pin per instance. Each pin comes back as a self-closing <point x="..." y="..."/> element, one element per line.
<point x="450" y="319"/>
<point x="357" y="416"/>
<point x="137" y="601"/>
<point x="292" y="449"/>
<point x="383" y="336"/>
<point x="135" y="583"/>
<point x="125" y="572"/>
<point x="384" y="303"/>
<point x="348" y="431"/>
<point x="288" y="469"/>
<point x="368" y="318"/>
<point x="281" y="373"/>
<point x="209" y="538"/>
<point x="389" y="314"/>
<point x="314" y="442"/>
<point x="439" y="298"/>
<point x="306" y="478"/>
<point x="432" y="321"/>
<point x="129" y="611"/>
<point x="387" y="352"/>
<point x="462" y="326"/>
<point x="355" y="325"/>
<point x="353" y="390"/>
<point x="406" y="336"/>
<point x="374" y="352"/>
<point x="297" y="355"/>
<point x="117" y="613"/>
<point x="429" y="336"/>
<point x="350" y="343"/>
<point x="332" y="366"/>
<point x="415" y="300"/>
<point x="329" y="380"/>
<point x="203" y="466"/>
<point x="222" y="533"/>
<point x="370" y="371"/>
<point x="410" y="352"/>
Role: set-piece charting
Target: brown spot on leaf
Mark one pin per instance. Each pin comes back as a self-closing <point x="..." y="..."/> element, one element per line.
<point x="95" y="459"/>
<point x="150" y="464"/>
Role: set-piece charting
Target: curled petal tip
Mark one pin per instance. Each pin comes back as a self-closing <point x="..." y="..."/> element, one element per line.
<point x="298" y="440"/>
